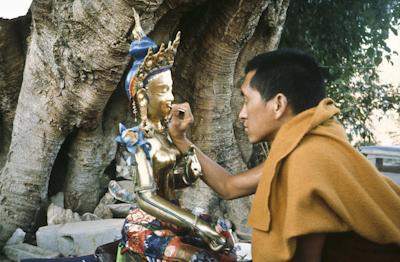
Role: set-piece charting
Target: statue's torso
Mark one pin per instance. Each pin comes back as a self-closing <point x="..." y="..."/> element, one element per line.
<point x="164" y="156"/>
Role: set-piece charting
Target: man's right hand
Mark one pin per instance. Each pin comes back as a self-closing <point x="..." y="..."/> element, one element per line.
<point x="214" y="175"/>
<point x="181" y="120"/>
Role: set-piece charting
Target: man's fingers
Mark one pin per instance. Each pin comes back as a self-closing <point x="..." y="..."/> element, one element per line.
<point x="188" y="112"/>
<point x="175" y="109"/>
<point x="182" y="111"/>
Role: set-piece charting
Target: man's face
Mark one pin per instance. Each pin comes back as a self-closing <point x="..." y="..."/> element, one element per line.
<point x="258" y="116"/>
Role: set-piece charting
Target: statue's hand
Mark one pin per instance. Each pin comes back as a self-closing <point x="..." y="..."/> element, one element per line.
<point x="221" y="240"/>
<point x="181" y="120"/>
<point x="224" y="228"/>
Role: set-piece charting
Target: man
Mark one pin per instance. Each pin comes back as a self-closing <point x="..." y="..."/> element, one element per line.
<point x="316" y="197"/>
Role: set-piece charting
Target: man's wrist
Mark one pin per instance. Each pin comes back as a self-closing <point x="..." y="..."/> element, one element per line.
<point x="183" y="144"/>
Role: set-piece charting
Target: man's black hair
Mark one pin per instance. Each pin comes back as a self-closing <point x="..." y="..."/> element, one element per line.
<point x="290" y="72"/>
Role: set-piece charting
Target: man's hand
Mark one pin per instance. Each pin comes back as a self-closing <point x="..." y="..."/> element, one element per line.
<point x="181" y="120"/>
<point x="220" y="180"/>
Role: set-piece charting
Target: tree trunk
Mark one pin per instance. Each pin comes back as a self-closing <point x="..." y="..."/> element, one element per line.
<point x="77" y="54"/>
<point x="90" y="153"/>
<point x="12" y="60"/>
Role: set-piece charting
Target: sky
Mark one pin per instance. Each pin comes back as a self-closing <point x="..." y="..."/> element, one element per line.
<point x="14" y="8"/>
<point x="387" y="72"/>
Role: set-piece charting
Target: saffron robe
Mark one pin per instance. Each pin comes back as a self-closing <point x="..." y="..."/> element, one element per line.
<point x="314" y="181"/>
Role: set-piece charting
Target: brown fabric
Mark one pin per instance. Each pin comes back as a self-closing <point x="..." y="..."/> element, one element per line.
<point x="350" y="247"/>
<point x="315" y="181"/>
<point x="107" y="252"/>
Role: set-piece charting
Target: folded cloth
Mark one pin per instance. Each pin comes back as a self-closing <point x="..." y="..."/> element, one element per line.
<point x="153" y="239"/>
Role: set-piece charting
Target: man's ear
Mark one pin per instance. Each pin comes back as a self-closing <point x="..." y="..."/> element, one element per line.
<point x="280" y="105"/>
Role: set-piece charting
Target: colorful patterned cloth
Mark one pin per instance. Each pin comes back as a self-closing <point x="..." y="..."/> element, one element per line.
<point x="89" y="258"/>
<point x="155" y="240"/>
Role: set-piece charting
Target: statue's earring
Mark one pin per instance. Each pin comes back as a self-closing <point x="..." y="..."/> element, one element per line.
<point x="134" y="110"/>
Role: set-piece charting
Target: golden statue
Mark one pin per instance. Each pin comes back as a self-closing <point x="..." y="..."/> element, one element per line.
<point x="157" y="166"/>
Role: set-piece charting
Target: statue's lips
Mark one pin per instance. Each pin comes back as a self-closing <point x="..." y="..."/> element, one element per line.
<point x="168" y="109"/>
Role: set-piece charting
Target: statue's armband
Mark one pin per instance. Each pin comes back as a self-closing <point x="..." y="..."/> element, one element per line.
<point x="192" y="169"/>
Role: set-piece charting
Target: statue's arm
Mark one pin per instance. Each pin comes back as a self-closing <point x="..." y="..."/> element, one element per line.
<point x="153" y="204"/>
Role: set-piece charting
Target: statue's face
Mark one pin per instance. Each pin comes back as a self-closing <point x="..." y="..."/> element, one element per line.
<point x="159" y="93"/>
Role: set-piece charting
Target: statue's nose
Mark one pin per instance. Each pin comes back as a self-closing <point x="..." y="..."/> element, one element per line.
<point x="171" y="97"/>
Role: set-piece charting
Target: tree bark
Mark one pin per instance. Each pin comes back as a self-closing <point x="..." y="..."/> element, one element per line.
<point x="90" y="153"/>
<point x="12" y="60"/>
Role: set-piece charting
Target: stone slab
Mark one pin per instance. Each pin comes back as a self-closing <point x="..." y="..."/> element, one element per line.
<point x="24" y="251"/>
<point x="17" y="237"/>
<point x="80" y="238"/>
<point x="46" y="237"/>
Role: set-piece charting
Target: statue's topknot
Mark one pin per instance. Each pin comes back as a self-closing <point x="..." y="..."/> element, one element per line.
<point x="147" y="60"/>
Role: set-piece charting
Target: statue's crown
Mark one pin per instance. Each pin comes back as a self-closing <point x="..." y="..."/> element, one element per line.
<point x="147" y="60"/>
